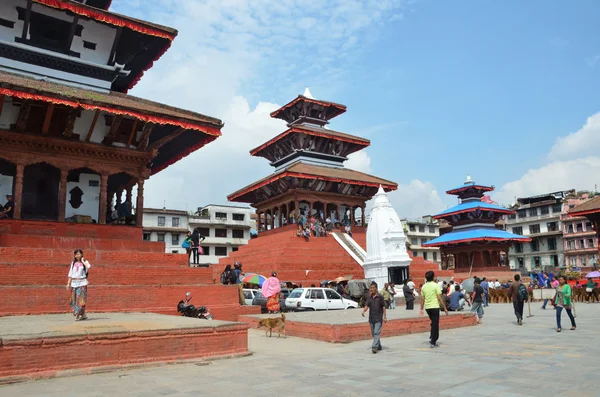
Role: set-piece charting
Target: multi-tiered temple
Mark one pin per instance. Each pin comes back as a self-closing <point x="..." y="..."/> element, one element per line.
<point x="475" y="242"/>
<point x="310" y="177"/>
<point x="73" y="145"/>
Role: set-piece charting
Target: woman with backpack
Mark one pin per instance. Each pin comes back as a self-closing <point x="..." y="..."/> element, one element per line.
<point x="227" y="275"/>
<point x="562" y="301"/>
<point x="78" y="283"/>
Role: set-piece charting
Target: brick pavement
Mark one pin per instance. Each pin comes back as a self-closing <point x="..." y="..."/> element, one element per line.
<point x="496" y="358"/>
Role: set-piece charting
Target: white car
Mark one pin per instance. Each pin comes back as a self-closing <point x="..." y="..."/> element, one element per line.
<point x="317" y="299"/>
<point x="249" y="295"/>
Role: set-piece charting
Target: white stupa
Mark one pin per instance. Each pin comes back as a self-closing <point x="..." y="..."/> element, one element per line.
<point x="386" y="242"/>
<point x="307" y="93"/>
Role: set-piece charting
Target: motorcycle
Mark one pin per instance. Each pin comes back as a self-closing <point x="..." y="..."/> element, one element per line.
<point x="186" y="310"/>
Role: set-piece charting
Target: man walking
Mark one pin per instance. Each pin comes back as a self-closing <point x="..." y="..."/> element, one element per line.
<point x="431" y="300"/>
<point x="478" y="299"/>
<point x="377" y="315"/>
<point x="486" y="292"/>
<point x="513" y="292"/>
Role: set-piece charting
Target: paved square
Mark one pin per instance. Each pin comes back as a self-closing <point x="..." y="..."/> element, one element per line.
<point x="496" y="358"/>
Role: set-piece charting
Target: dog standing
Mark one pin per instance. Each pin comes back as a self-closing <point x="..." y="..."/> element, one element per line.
<point x="271" y="323"/>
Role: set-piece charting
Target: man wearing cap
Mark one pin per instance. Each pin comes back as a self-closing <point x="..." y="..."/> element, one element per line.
<point x="9" y="208"/>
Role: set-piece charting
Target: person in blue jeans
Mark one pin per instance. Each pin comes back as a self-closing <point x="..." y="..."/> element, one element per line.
<point x="563" y="301"/>
<point x="477" y="306"/>
<point x="377" y="315"/>
<point x="486" y="292"/>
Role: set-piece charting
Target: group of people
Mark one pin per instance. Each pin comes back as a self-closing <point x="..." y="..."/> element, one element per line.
<point x="232" y="276"/>
<point x="449" y="296"/>
<point x="192" y="246"/>
<point x="320" y="226"/>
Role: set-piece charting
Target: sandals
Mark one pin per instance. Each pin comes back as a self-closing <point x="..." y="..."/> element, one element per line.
<point x="573" y="328"/>
<point x="557" y="329"/>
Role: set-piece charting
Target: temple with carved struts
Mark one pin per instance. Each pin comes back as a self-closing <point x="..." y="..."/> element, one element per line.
<point x="475" y="244"/>
<point x="73" y="144"/>
<point x="310" y="177"/>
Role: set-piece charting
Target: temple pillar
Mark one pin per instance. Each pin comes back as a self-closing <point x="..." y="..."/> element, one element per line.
<point x="103" y="197"/>
<point x="310" y="209"/>
<point x="272" y="218"/>
<point x="362" y="216"/>
<point x="296" y="210"/>
<point x="18" y="188"/>
<point x="139" y="207"/>
<point x="351" y="216"/>
<point x="62" y="194"/>
<point x="128" y="194"/>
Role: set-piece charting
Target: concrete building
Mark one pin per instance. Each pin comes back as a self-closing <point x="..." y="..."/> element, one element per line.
<point x="580" y="241"/>
<point x="538" y="217"/>
<point x="419" y="232"/>
<point x="224" y="227"/>
<point x="168" y="226"/>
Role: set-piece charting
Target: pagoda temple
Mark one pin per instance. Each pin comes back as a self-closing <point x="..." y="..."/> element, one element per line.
<point x="475" y="243"/>
<point x="73" y="144"/>
<point x="310" y="177"/>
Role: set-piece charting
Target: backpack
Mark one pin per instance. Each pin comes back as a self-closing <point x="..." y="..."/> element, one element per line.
<point x="225" y="277"/>
<point x="523" y="293"/>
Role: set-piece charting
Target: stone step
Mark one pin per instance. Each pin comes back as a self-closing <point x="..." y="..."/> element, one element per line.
<point x="65" y="229"/>
<point x="84" y="243"/>
<point x="120" y="258"/>
<point x="135" y="298"/>
<point x="56" y="275"/>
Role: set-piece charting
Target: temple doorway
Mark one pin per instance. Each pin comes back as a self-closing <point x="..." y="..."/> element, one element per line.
<point x="40" y="192"/>
<point x="397" y="275"/>
<point x="7" y="178"/>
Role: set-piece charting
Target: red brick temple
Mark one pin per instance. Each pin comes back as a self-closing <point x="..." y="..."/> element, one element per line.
<point x="73" y="146"/>
<point x="475" y="244"/>
<point x="309" y="179"/>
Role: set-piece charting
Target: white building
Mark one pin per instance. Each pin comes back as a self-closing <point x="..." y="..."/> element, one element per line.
<point x="168" y="226"/>
<point x="224" y="227"/>
<point x="538" y="217"/>
<point x="418" y="233"/>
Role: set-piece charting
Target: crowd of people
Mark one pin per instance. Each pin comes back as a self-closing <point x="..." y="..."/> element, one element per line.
<point x="319" y="226"/>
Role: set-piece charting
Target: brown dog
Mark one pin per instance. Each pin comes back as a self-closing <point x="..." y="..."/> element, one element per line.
<point x="270" y="323"/>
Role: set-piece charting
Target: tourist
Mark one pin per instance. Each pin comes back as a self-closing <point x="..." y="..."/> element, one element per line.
<point x="77" y="282"/>
<point x="187" y="244"/>
<point x="392" y="292"/>
<point x="518" y="303"/>
<point x="195" y="244"/>
<point x="497" y="284"/>
<point x="226" y="275"/>
<point x="409" y="295"/>
<point x="237" y="271"/>
<point x="563" y="300"/>
<point x="544" y="283"/>
<point x="386" y="295"/>
<point x="590" y="290"/>
<point x="8" y="210"/>
<point x="306" y="233"/>
<point x="348" y="230"/>
<point x="431" y="300"/>
<point x="486" y="292"/>
<point x="478" y="296"/>
<point x="377" y="315"/>
<point x="458" y="299"/>
<point x="270" y="290"/>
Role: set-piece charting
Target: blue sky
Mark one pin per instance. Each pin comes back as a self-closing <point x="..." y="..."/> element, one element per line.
<point x="504" y="90"/>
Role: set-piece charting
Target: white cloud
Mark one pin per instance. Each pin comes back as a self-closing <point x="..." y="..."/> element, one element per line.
<point x="584" y="142"/>
<point x="232" y="54"/>
<point x="359" y="161"/>
<point x="416" y="199"/>
<point x="580" y="174"/>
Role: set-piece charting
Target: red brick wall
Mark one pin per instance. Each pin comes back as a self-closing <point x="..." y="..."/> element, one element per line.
<point x="26" y="357"/>
<point x="64" y="229"/>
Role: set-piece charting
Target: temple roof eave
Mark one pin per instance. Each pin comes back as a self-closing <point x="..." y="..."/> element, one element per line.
<point x="589" y="207"/>
<point x="472" y="207"/>
<point x="320" y="132"/>
<point x="476" y="235"/>
<point x="340" y="108"/>
<point x="304" y="171"/>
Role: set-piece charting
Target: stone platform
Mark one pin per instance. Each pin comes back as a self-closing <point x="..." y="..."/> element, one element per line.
<point x="50" y="345"/>
<point x="342" y="326"/>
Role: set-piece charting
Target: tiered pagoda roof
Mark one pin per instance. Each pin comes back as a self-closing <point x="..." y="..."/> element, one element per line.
<point x="309" y="156"/>
<point x="474" y="220"/>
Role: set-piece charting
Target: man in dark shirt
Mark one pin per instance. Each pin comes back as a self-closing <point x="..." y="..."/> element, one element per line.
<point x="513" y="292"/>
<point x="9" y="208"/>
<point x="477" y="306"/>
<point x="377" y="315"/>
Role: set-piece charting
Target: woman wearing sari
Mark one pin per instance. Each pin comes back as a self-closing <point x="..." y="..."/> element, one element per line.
<point x="270" y="290"/>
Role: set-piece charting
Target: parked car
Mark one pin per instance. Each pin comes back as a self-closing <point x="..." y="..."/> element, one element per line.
<point x="261" y="301"/>
<point x="317" y="299"/>
<point x="249" y="295"/>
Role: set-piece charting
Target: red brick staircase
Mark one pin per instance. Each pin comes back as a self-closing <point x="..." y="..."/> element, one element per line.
<point x="127" y="274"/>
<point x="293" y="258"/>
